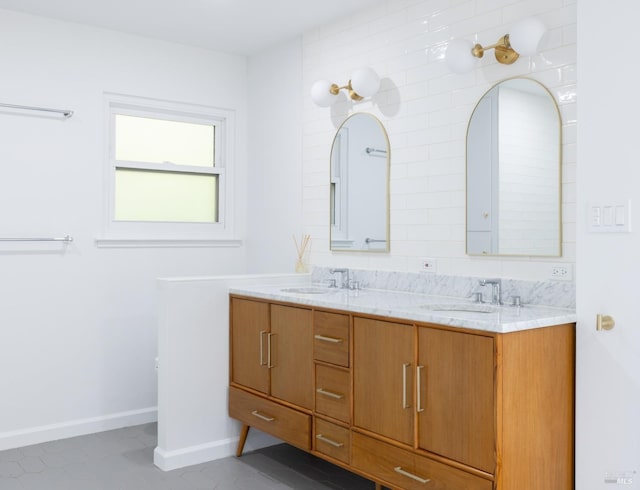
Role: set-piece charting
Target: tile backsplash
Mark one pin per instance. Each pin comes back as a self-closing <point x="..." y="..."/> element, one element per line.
<point x="425" y="109"/>
<point x="548" y="293"/>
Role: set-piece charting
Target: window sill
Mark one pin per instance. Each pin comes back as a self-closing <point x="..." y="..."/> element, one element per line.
<point x="166" y="243"/>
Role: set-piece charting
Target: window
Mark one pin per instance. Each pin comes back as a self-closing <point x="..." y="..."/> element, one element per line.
<point x="168" y="172"/>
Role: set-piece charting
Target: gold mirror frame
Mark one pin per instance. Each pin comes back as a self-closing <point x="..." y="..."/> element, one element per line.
<point x="471" y="249"/>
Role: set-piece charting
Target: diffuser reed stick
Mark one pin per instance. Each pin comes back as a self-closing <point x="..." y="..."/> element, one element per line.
<point x="301" y="249"/>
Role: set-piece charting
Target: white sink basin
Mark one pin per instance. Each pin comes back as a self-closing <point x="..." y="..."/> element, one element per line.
<point x="468" y="307"/>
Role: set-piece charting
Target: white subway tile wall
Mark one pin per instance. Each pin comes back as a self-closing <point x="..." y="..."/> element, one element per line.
<point x="425" y="109"/>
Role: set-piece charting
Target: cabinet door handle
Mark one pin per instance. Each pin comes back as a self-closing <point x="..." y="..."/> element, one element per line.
<point x="329" y="441"/>
<point x="255" y="413"/>
<point x="330" y="394"/>
<point x="404" y="384"/>
<point x="419" y="388"/>
<point x="262" y="332"/>
<point x="269" y="365"/>
<point x="324" y="338"/>
<point x="398" y="469"/>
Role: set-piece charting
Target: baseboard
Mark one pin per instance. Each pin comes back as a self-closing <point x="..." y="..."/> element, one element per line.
<point x="171" y="460"/>
<point x="73" y="428"/>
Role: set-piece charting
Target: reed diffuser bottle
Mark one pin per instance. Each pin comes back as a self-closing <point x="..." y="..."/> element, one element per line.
<point x="301" y="267"/>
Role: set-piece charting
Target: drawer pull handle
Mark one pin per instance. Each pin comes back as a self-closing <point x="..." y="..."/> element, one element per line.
<point x="262" y="332"/>
<point x="330" y="394"/>
<point x="419" y="388"/>
<point x="398" y="469"/>
<point x="255" y="413"/>
<point x="329" y="441"/>
<point x="404" y="384"/>
<point x="324" y="338"/>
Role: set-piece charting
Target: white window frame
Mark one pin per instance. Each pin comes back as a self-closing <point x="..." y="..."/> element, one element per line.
<point x="169" y="234"/>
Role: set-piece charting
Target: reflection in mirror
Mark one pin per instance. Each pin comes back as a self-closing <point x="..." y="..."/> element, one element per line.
<point x="359" y="203"/>
<point x="514" y="172"/>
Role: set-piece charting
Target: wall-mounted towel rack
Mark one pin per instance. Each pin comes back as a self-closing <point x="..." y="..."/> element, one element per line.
<point x="63" y="112"/>
<point x="65" y="239"/>
<point x="375" y="151"/>
<point x="373" y="240"/>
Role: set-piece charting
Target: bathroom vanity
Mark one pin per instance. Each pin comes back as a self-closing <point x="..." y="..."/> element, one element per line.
<point x="410" y="391"/>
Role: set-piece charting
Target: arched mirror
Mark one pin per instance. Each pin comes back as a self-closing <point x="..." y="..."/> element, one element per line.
<point x="359" y="204"/>
<point x="514" y="172"/>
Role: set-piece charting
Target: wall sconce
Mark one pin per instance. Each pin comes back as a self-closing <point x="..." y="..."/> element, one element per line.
<point x="364" y="83"/>
<point x="524" y="39"/>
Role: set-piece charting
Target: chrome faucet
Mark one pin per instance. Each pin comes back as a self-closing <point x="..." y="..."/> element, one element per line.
<point x="345" y="277"/>
<point x="496" y="286"/>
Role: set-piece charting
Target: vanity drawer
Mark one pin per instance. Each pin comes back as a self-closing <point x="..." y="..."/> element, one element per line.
<point x="407" y="470"/>
<point x="333" y="392"/>
<point x="332" y="440"/>
<point x="282" y="422"/>
<point x="331" y="338"/>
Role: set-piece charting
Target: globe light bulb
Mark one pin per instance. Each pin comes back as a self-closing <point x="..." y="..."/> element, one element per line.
<point x="525" y="36"/>
<point x="365" y="82"/>
<point x="321" y="93"/>
<point x="458" y="56"/>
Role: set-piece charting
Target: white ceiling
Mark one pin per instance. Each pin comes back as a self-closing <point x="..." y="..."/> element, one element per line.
<point x="234" y="26"/>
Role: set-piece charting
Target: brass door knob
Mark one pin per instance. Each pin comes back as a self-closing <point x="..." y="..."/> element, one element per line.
<point x="604" y="322"/>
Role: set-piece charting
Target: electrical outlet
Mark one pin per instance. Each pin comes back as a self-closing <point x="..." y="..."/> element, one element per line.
<point x="428" y="265"/>
<point x="561" y="272"/>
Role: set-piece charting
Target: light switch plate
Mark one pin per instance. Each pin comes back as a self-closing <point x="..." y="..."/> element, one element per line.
<point x="609" y="217"/>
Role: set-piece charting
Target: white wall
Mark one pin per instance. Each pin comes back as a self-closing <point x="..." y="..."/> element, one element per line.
<point x="275" y="158"/>
<point x="78" y="328"/>
<point x="193" y="375"/>
<point x="425" y="109"/>
<point x="608" y="265"/>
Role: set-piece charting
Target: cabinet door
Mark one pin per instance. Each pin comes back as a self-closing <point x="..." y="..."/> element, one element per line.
<point x="249" y="333"/>
<point x="456" y="414"/>
<point x="383" y="378"/>
<point x="291" y="355"/>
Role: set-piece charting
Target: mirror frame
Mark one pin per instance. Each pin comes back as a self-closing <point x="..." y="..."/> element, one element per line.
<point x="560" y="165"/>
<point x="387" y="248"/>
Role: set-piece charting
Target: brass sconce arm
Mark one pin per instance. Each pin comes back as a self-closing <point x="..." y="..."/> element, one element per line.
<point x="335" y="89"/>
<point x="363" y="83"/>
<point x="522" y="40"/>
<point x="503" y="51"/>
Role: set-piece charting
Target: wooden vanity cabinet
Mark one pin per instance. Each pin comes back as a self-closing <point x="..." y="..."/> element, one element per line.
<point x="408" y="405"/>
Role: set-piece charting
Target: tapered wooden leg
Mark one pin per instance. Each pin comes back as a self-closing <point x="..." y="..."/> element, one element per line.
<point x="243" y="438"/>
<point x="378" y="486"/>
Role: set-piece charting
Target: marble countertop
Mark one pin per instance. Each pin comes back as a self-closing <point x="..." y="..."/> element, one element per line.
<point x="444" y="310"/>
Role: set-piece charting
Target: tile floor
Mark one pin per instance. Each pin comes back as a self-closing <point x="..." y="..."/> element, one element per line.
<point x="122" y="459"/>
